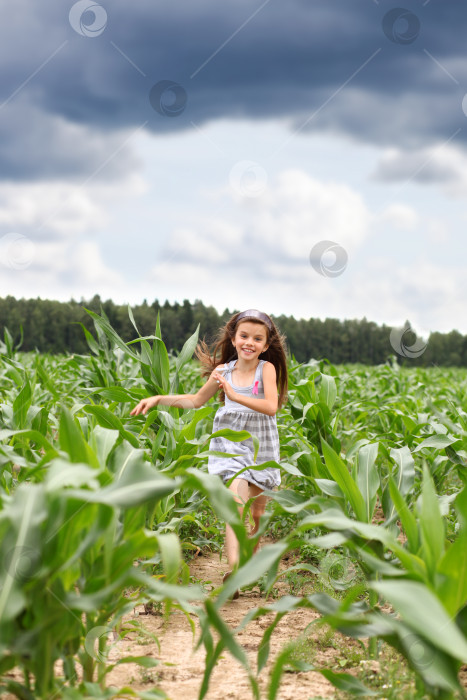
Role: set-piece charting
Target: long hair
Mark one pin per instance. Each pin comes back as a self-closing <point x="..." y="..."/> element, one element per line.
<point x="224" y="351"/>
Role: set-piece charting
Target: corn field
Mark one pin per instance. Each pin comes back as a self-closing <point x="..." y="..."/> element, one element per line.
<point x="100" y="512"/>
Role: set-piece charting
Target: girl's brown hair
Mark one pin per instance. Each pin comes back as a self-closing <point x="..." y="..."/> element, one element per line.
<point x="224" y="351"/>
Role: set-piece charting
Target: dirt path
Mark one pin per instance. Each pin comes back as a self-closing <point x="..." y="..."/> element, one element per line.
<point x="181" y="669"/>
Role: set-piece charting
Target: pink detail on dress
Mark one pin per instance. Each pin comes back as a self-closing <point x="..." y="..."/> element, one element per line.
<point x="255" y="387"/>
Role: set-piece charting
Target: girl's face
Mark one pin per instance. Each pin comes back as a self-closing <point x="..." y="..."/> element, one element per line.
<point x="250" y="340"/>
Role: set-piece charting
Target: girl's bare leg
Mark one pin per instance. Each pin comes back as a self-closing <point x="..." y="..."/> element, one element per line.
<point x="242" y="491"/>
<point x="258" y="508"/>
<point x="239" y="488"/>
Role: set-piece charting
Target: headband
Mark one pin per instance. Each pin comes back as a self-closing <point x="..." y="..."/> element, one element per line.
<point x="254" y="313"/>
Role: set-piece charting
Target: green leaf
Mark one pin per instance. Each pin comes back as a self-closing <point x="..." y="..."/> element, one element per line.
<point x="189" y="430"/>
<point x="291" y="501"/>
<point x="160" y="364"/>
<point x="328" y="390"/>
<point x="347" y="683"/>
<point x="93" y="344"/>
<point x="21" y="405"/>
<point x="187" y="351"/>
<point x="115" y="393"/>
<point x="19" y="546"/>
<point x="171" y="555"/>
<point x="102" y="323"/>
<point x="102" y="441"/>
<point x="72" y="441"/>
<point x="253" y="467"/>
<point x="33" y="435"/>
<point x="406" y="469"/>
<point x="336" y="520"/>
<point x="220" y="498"/>
<point x="368" y="478"/>
<point x="234" y="435"/>
<point x="339" y="472"/>
<point x="406" y="516"/>
<point x="18" y="690"/>
<point x="227" y="637"/>
<point x="431" y="524"/>
<point x="291" y="469"/>
<point x="453" y="567"/>
<point x="107" y="419"/>
<point x="237" y="436"/>
<point x="438" y="670"/>
<point x="132" y="319"/>
<point x="61" y="473"/>
<point x="263" y="649"/>
<point x="378" y="565"/>
<point x="263" y="561"/>
<point x="438" y="441"/>
<point x="330" y="488"/>
<point x="140" y="485"/>
<point x="423" y="612"/>
<point x="285" y="657"/>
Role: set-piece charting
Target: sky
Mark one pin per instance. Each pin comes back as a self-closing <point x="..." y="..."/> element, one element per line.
<point x="303" y="157"/>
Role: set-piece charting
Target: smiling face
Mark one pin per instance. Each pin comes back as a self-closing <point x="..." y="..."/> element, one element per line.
<point x="250" y="340"/>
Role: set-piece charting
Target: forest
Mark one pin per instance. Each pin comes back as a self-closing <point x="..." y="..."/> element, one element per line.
<point x="56" y="327"/>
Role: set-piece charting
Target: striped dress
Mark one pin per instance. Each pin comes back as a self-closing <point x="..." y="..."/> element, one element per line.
<point x="235" y="416"/>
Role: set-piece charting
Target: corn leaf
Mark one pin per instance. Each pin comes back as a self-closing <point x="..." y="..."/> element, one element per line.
<point x="341" y="475"/>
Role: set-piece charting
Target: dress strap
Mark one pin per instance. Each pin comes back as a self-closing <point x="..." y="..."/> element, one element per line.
<point x="259" y="369"/>
<point x="228" y="368"/>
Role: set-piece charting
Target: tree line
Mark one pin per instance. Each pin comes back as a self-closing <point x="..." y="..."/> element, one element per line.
<point x="55" y="327"/>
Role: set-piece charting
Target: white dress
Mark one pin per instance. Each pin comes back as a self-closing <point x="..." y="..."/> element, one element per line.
<point x="235" y="416"/>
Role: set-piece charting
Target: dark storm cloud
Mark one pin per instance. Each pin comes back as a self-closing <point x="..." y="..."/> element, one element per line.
<point x="362" y="68"/>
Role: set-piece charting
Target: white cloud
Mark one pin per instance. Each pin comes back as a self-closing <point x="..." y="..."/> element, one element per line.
<point x="401" y="217"/>
<point x="210" y="244"/>
<point x="54" y="266"/>
<point x="63" y="208"/>
<point x="263" y="259"/>
<point x="46" y="247"/>
<point x="282" y="224"/>
<point x="240" y="251"/>
<point x="431" y="296"/>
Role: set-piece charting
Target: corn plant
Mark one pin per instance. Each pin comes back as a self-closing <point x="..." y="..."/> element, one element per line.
<point x="92" y="499"/>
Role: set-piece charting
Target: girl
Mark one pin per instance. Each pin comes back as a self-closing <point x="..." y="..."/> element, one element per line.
<point x="249" y="366"/>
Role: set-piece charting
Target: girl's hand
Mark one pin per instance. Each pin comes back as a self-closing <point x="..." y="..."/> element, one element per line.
<point x="224" y="384"/>
<point x="144" y="405"/>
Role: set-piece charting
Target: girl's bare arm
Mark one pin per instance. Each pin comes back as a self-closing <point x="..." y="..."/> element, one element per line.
<point x="197" y="400"/>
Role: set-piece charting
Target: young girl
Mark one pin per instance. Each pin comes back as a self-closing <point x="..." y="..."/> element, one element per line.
<point x="249" y="365"/>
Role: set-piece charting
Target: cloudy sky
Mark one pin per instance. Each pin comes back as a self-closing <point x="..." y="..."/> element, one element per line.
<point x="305" y="157"/>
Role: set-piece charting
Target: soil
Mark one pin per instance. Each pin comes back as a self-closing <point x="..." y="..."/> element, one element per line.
<point x="180" y="672"/>
<point x="180" y="669"/>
